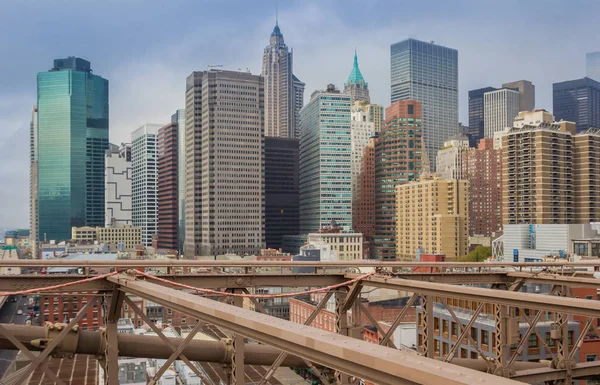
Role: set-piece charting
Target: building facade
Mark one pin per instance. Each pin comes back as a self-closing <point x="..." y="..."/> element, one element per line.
<point x="586" y="175"/>
<point x="577" y="101"/>
<point x="325" y="161"/>
<point x="526" y="91"/>
<point x="179" y="118"/>
<point x="125" y="237"/>
<point x="537" y="180"/>
<point x="118" y="175"/>
<point x="144" y="186"/>
<point x="433" y="215"/>
<point x="361" y="130"/>
<point x="477" y="114"/>
<point x="282" y="211"/>
<point x="501" y="107"/>
<point x="592" y="64"/>
<point x="374" y="113"/>
<point x="72" y="137"/>
<point x="428" y="73"/>
<point x="449" y="158"/>
<point x="33" y="187"/>
<point x="298" y="103"/>
<point x="224" y="162"/>
<point x="282" y="88"/>
<point x="356" y="86"/>
<point x="168" y="186"/>
<point x="363" y="207"/>
<point x="482" y="168"/>
<point x="342" y="246"/>
<point x="398" y="160"/>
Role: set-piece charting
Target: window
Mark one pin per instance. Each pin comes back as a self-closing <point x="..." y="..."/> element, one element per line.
<point x="169" y="311"/>
<point x="571" y="337"/>
<point x="183" y="320"/>
<point x="445" y="326"/>
<point x="436" y="324"/>
<point x="549" y="341"/>
<point x="474" y="335"/>
<point x="454" y="329"/>
<point x="591" y="357"/>
<point x="532" y="342"/>
<point x="485" y="337"/>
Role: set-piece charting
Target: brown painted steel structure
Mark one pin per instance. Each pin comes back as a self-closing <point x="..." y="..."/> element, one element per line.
<point x="340" y="352"/>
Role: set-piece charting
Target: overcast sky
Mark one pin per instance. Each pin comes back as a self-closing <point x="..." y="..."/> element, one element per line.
<point x="146" y="48"/>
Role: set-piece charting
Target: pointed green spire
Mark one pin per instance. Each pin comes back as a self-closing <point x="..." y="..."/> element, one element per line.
<point x="355" y="75"/>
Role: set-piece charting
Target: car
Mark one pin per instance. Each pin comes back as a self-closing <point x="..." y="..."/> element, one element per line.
<point x="19" y="312"/>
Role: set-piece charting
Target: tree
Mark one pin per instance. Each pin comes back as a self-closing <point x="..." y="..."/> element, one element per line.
<point x="481" y="253"/>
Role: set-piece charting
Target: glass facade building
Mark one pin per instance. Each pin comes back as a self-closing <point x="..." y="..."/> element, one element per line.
<point x="477" y="114"/>
<point x="72" y="137"/>
<point x="179" y="118"/>
<point x="428" y="73"/>
<point x="577" y="101"/>
<point x="592" y="63"/>
<point x="325" y="161"/>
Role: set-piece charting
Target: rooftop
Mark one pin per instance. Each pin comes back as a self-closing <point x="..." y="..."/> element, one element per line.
<point x="355" y="75"/>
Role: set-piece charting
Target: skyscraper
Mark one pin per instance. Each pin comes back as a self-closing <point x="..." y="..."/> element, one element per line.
<point x="363" y="207"/>
<point x="428" y="72"/>
<point x="477" y="114"/>
<point x="168" y="186"/>
<point x="449" y="158"/>
<point x="399" y="159"/>
<point x="33" y="187"/>
<point x="501" y="107"/>
<point x="282" y="88"/>
<point x="356" y="86"/>
<point x="592" y="64"/>
<point x="325" y="161"/>
<point x="144" y="187"/>
<point x="224" y="162"/>
<point x="282" y="216"/>
<point x="526" y="94"/>
<point x="72" y="137"/>
<point x="298" y="104"/>
<point x="179" y="118"/>
<point x="577" y="101"/>
<point x="361" y="131"/>
<point x="118" y="177"/>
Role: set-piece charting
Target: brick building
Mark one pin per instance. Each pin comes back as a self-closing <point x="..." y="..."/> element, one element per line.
<point x="168" y="198"/>
<point x="482" y="168"/>
<point x="65" y="307"/>
<point x="363" y="207"/>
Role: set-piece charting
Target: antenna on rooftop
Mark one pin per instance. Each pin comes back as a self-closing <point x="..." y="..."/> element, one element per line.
<point x="276" y="12"/>
<point x="211" y="66"/>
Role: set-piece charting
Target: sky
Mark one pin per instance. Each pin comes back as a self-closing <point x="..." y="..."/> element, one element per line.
<point x="147" y="48"/>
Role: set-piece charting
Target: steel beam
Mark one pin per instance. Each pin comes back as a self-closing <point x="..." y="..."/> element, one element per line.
<point x="566" y="305"/>
<point x="358" y="358"/>
<point x="589" y="370"/>
<point x="556" y="279"/>
<point x="10" y="283"/>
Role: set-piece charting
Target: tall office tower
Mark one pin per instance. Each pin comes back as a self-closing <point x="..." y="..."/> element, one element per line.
<point x="144" y="187"/>
<point x="282" y="88"/>
<point x="526" y="93"/>
<point x="428" y="73"/>
<point x="361" y="131"/>
<point x="501" y="107"/>
<point x="399" y="155"/>
<point x="33" y="187"/>
<point x="537" y="182"/>
<point x="72" y="136"/>
<point x="325" y="161"/>
<point x="356" y="86"/>
<point x="449" y="158"/>
<point x="481" y="167"/>
<point x="168" y="186"/>
<point x="118" y="177"/>
<point x="592" y="64"/>
<point x="363" y="207"/>
<point x="298" y="104"/>
<point x="577" y="101"/>
<point x="586" y="175"/>
<point x="224" y="161"/>
<point x="433" y="215"/>
<point x="193" y="170"/>
<point x="282" y="211"/>
<point x="373" y="112"/>
<point x="477" y="114"/>
<point x="179" y="118"/>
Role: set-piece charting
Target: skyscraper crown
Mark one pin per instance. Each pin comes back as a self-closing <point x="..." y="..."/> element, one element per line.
<point x="355" y="75"/>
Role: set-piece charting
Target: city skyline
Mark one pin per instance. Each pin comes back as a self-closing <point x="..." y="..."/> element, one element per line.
<point x="141" y="73"/>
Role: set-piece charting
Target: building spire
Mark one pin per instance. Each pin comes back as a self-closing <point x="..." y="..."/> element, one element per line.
<point x="355" y="75"/>
<point x="276" y="13"/>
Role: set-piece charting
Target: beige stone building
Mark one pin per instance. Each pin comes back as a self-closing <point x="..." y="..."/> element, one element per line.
<point x="129" y="236"/>
<point x="374" y="113"/>
<point x="449" y="157"/>
<point x="432" y="215"/>
<point x="343" y="246"/>
<point x="586" y="175"/>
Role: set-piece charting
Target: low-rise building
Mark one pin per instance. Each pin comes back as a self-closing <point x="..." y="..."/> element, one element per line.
<point x="343" y="246"/>
<point x="125" y="237"/>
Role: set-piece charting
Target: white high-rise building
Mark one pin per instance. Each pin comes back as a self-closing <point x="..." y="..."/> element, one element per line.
<point x="449" y="157"/>
<point x="117" y="197"/>
<point x="500" y="109"/>
<point x="283" y="91"/>
<point x="361" y="130"/>
<point x="144" y="185"/>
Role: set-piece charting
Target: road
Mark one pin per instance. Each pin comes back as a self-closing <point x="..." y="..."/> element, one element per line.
<point x="8" y="314"/>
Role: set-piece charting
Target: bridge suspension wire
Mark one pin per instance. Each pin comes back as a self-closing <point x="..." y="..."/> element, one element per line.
<point x="53" y="287"/>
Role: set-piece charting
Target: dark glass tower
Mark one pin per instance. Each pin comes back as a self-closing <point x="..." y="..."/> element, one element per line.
<point x="577" y="101"/>
<point x="72" y="139"/>
<point x="477" y="114"/>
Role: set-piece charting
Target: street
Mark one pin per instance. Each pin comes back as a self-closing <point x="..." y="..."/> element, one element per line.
<point x="8" y="314"/>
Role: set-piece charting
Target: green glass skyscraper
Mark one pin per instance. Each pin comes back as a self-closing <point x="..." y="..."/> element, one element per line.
<point x="72" y="139"/>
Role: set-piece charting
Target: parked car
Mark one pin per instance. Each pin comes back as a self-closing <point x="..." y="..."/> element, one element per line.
<point x="19" y="312"/>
